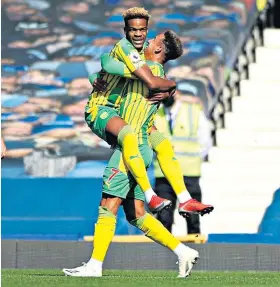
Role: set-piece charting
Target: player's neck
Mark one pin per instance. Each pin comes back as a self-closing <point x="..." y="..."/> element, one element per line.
<point x="155" y="59"/>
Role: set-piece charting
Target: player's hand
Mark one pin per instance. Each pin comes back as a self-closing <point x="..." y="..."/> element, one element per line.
<point x="100" y="85"/>
<point x="171" y="94"/>
<point x="159" y="97"/>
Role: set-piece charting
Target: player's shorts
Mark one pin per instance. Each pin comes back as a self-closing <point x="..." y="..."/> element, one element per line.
<point x="118" y="181"/>
<point x="97" y="118"/>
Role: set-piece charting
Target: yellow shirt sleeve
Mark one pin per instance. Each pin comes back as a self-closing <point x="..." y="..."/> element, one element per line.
<point x="127" y="54"/>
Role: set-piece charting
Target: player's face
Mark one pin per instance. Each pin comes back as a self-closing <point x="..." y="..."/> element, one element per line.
<point x="155" y="46"/>
<point x="157" y="42"/>
<point x="136" y="32"/>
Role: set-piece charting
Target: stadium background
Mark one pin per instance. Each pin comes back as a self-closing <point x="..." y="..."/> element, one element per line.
<point x="52" y="175"/>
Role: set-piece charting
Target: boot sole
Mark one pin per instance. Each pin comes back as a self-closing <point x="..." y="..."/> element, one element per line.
<point x="164" y="206"/>
<point x="206" y="210"/>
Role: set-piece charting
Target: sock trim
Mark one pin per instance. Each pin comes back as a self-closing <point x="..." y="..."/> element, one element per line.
<point x="184" y="196"/>
<point x="149" y="193"/>
<point x="125" y="131"/>
<point x="104" y="211"/>
<point x="156" y="138"/>
<point x="138" y="221"/>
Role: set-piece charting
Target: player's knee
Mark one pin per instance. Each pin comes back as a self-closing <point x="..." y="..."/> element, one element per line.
<point x="133" y="215"/>
<point x="112" y="204"/>
<point x="127" y="133"/>
<point x="140" y="213"/>
<point x="130" y="217"/>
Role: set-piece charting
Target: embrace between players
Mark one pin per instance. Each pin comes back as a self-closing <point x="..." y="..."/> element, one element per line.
<point x="121" y="110"/>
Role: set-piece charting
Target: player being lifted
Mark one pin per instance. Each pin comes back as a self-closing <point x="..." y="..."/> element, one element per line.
<point x="102" y="114"/>
<point x="105" y="118"/>
<point x="120" y="187"/>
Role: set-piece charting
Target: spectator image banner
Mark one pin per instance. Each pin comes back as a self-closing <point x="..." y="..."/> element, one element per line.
<point x="49" y="48"/>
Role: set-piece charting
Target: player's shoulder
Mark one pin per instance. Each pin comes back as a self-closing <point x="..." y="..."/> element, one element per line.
<point x="150" y="63"/>
<point x="124" y="43"/>
<point x="156" y="68"/>
<point x="160" y="67"/>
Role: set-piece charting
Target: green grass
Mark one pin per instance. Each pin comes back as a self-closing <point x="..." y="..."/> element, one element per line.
<point x="55" y="278"/>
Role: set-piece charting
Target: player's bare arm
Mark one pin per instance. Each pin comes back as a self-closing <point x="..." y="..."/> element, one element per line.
<point x="111" y="66"/>
<point x="155" y="84"/>
<point x="97" y="83"/>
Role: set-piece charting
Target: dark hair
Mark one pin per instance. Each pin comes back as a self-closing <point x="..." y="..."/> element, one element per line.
<point x="172" y="46"/>
<point x="135" y="13"/>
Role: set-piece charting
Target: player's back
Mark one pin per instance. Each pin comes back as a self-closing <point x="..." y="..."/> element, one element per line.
<point x="135" y="109"/>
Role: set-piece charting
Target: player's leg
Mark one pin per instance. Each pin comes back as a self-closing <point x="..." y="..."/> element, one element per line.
<point x="116" y="185"/>
<point x="134" y="209"/>
<point x="106" y="123"/>
<point x="128" y="140"/>
<point x="117" y="182"/>
<point x="104" y="230"/>
<point x="172" y="171"/>
<point x="136" y="215"/>
<point x="103" y="235"/>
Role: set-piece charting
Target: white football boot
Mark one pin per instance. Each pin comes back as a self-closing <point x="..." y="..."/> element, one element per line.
<point x="83" y="271"/>
<point x="186" y="262"/>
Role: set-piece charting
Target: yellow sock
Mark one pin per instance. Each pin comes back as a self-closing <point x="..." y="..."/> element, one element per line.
<point x="103" y="234"/>
<point x="168" y="163"/>
<point x="156" y="231"/>
<point x="132" y="157"/>
<point x="170" y="166"/>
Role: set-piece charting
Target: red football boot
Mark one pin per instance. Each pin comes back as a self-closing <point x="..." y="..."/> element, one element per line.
<point x="157" y="204"/>
<point x="192" y="206"/>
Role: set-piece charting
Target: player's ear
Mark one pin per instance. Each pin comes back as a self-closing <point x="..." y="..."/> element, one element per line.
<point x="158" y="50"/>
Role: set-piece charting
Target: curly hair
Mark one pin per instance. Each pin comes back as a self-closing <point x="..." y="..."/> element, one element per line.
<point x="172" y="46"/>
<point x="134" y="13"/>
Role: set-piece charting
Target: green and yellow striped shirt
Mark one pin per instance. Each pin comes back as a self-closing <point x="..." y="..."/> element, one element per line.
<point x="125" y="52"/>
<point x="134" y="107"/>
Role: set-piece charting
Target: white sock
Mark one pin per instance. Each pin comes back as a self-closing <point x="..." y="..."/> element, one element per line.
<point x="149" y="194"/>
<point x="184" y="196"/>
<point x="93" y="263"/>
<point x="181" y="250"/>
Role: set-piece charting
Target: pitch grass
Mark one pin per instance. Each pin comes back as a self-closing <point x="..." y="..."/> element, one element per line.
<point x="55" y="278"/>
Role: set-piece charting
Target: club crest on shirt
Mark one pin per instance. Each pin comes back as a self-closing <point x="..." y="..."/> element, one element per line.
<point x="104" y="115"/>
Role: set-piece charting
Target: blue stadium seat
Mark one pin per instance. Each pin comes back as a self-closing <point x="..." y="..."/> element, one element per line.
<point x="273" y="211"/>
<point x="163" y="26"/>
<point x="276" y="197"/>
<point x="270" y="226"/>
<point x="270" y="223"/>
